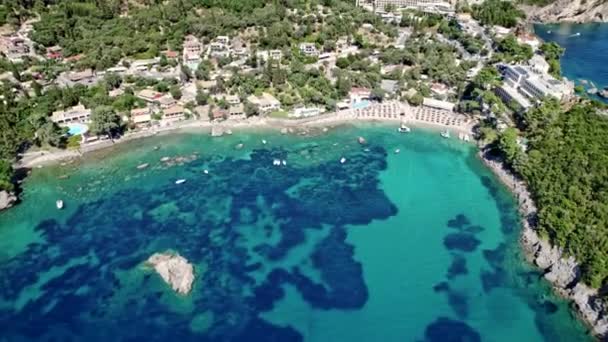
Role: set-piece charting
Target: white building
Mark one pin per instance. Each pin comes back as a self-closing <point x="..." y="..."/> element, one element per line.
<point x="304" y="112"/>
<point x="433" y="6"/>
<point x="437" y="104"/>
<point x="141" y="116"/>
<point x="308" y="49"/>
<point x="535" y="85"/>
<point x="75" y="114"/>
<point x="191" y="53"/>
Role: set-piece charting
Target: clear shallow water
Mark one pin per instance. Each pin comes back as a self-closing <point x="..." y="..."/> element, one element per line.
<point x="585" y="56"/>
<point x="416" y="246"/>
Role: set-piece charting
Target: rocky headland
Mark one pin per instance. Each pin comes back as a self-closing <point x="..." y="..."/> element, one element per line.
<point x="7" y="199"/>
<point x="574" y="11"/>
<point x="174" y="269"/>
<point x="561" y="270"/>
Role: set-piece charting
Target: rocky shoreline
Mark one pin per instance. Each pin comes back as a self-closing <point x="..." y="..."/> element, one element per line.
<point x="174" y="269"/>
<point x="562" y="271"/>
<point x="570" y="11"/>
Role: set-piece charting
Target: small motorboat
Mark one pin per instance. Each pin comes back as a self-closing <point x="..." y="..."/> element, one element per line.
<point x="445" y="134"/>
<point x="205" y="171"/>
<point x="361" y="140"/>
<point x="264" y="142"/>
<point x="180" y="181"/>
<point x="404" y="129"/>
<point x="59" y="204"/>
<point x="284" y="162"/>
<point x="142" y="166"/>
<point x="397" y="151"/>
<point x="342" y="160"/>
<point x="276" y="162"/>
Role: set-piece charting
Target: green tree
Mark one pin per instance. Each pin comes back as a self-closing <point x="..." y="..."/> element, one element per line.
<point x="105" y="121"/>
<point x="6" y="175"/>
<point x="176" y="92"/>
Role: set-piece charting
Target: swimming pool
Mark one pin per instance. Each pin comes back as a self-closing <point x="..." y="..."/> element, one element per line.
<point x="360" y="104"/>
<point x="77" y="129"/>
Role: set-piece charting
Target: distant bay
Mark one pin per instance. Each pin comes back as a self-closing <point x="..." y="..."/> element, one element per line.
<point x="586" y="50"/>
<point x="419" y="245"/>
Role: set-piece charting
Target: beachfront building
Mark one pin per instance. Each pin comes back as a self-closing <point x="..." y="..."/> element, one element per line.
<point x="305" y="112"/>
<point x="438" y="105"/>
<point x="237" y="110"/>
<point x="78" y="114"/>
<point x="266" y="103"/>
<point x="166" y="101"/>
<point x="141" y="116"/>
<point x="54" y="52"/>
<point x="533" y="85"/>
<point x="173" y="113"/>
<point x="359" y="95"/>
<point x="191" y="53"/>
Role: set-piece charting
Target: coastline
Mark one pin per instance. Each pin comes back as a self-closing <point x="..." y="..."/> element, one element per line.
<point x="562" y="271"/>
<point x="286" y="126"/>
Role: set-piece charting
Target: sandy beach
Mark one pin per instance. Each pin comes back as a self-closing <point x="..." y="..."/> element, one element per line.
<point x="35" y="159"/>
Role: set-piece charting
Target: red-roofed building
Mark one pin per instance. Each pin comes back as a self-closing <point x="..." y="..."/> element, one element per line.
<point x="54" y="52"/>
<point x="170" y="54"/>
<point x="359" y="94"/>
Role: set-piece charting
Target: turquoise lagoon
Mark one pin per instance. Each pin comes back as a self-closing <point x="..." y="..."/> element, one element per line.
<point x="419" y="245"/>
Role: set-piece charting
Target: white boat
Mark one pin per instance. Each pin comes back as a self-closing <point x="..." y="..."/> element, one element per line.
<point x="180" y="181"/>
<point x="59" y="204"/>
<point x="264" y="142"/>
<point x="342" y="160"/>
<point x="403" y="129"/>
<point x="397" y="151"/>
<point x="276" y="162"/>
<point x="206" y="171"/>
<point x="445" y="134"/>
<point x="284" y="162"/>
<point x="466" y="137"/>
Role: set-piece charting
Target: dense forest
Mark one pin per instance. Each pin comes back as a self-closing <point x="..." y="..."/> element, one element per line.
<point x="566" y="168"/>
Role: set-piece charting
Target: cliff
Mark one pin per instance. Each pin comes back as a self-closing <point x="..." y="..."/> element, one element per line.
<point x="562" y="271"/>
<point x="575" y="11"/>
<point x="7" y="200"/>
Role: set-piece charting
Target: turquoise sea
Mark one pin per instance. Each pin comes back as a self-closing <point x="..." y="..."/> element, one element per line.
<point x="586" y="50"/>
<point x="419" y="245"/>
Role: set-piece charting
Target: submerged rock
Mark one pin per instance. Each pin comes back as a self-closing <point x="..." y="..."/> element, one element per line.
<point x="174" y="269"/>
<point x="7" y="199"/>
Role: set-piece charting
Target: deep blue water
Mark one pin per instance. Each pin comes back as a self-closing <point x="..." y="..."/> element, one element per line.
<point x="586" y="56"/>
<point x="416" y="246"/>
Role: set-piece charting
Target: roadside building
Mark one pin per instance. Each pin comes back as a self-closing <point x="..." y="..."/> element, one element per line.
<point x="265" y="103"/>
<point x="149" y="95"/>
<point x="237" y="110"/>
<point x="218" y="114"/>
<point x="173" y="113"/>
<point x="309" y="49"/>
<point x="166" y="101"/>
<point x="85" y="77"/>
<point x="440" y="89"/>
<point x="266" y="55"/>
<point x="141" y="116"/>
<point x="191" y="53"/>
<point x="14" y="47"/>
<point x="304" y="112"/>
<point x="78" y="114"/>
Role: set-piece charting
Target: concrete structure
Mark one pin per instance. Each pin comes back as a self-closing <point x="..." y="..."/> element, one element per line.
<point x="14" y="47"/>
<point x="173" y="113"/>
<point x="305" y="112"/>
<point x="141" y="116"/>
<point x="309" y="49"/>
<point x="274" y="55"/>
<point x="532" y="85"/>
<point x="237" y="110"/>
<point x="359" y="94"/>
<point x="191" y="52"/>
<point x="438" y="105"/>
<point x="265" y="103"/>
<point x="149" y="95"/>
<point x="539" y="64"/>
<point x="432" y="6"/>
<point x="75" y="114"/>
<point x="389" y="86"/>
